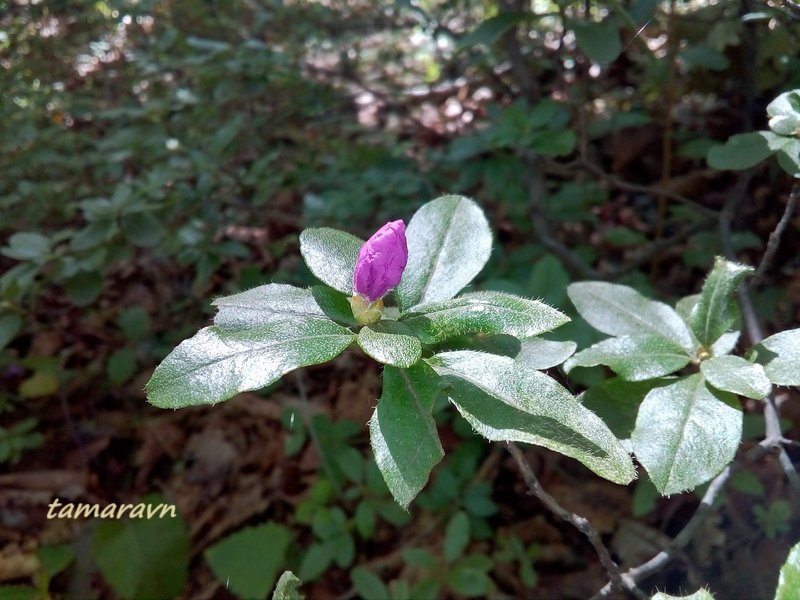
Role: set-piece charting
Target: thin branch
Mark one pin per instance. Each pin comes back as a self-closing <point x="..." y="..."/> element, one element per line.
<point x="754" y="330"/>
<point x="520" y="70"/>
<point x="791" y="8"/>
<point x="775" y="237"/>
<point x="543" y="229"/>
<point x="773" y="442"/>
<point x="582" y="524"/>
<point x="652" y="190"/>
<point x="715" y="488"/>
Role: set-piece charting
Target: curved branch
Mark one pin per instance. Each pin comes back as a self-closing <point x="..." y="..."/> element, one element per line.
<point x="619" y="581"/>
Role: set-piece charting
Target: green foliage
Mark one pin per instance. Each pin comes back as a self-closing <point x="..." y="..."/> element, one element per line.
<point x="745" y="150"/>
<point x="369" y="585"/>
<point x="456" y="537"/>
<point x="21" y="436"/>
<point x="214" y="120"/>
<point x="263" y="333"/>
<point x="633" y="357"/>
<point x="143" y="558"/>
<point x="686" y="430"/>
<point x="621" y="311"/>
<point x="225" y="359"/>
<point x="736" y="375"/>
<point x="233" y="559"/>
<point x="52" y="560"/>
<point x="599" y="41"/>
<point x="774" y="520"/>
<point x="391" y="343"/>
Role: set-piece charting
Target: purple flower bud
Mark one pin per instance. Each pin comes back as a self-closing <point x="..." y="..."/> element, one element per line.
<point x="381" y="261"/>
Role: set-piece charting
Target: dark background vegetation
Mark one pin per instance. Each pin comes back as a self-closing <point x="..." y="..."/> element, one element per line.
<point x="156" y="154"/>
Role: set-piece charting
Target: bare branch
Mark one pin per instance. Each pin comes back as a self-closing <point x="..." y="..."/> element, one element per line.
<point x="775" y="237"/>
<point x="543" y="228"/>
<point x="652" y="190"/>
<point x="582" y="524"/>
<point x="754" y="330"/>
<point x="715" y="488"/>
<point x="774" y="441"/>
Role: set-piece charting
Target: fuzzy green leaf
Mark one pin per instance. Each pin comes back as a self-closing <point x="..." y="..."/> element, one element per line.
<point x="633" y="357"/>
<point x="736" y="375"/>
<point x="780" y="355"/>
<point x="274" y="302"/>
<point x="334" y="304"/>
<point x="402" y="431"/>
<point x="217" y="364"/>
<point x="388" y="342"/>
<point x="482" y="312"/>
<point x="716" y="309"/>
<point x="686" y="433"/>
<point x="789" y="580"/>
<point x="331" y="256"/>
<point x="784" y="113"/>
<point x="619" y="310"/>
<point x="503" y="403"/>
<point x="700" y="594"/>
<point x="744" y="150"/>
<point x="536" y="353"/>
<point x="449" y="242"/>
<point x="287" y="587"/>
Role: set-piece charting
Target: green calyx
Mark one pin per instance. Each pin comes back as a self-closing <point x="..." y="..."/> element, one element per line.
<point x="364" y="311"/>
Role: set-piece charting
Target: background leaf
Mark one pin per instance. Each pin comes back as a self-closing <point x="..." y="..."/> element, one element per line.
<point x="369" y="585"/>
<point x="456" y="536"/>
<point x="686" y="433"/>
<point x="143" y="558"/>
<point x="449" y="242"/>
<point x="241" y="564"/>
<point x="490" y="30"/>
<point x="599" y="41"/>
